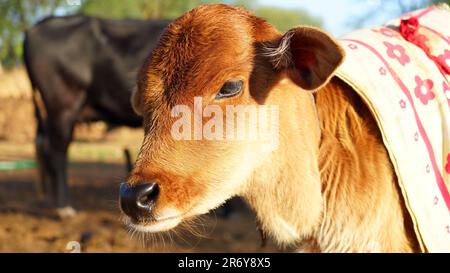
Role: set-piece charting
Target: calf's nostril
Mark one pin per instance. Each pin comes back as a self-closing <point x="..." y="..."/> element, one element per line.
<point x="137" y="201"/>
<point x="147" y="197"/>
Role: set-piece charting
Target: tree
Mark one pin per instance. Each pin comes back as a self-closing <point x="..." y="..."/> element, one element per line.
<point x="138" y="9"/>
<point x="145" y="9"/>
<point x="149" y="9"/>
<point x="15" y="17"/>
<point x="285" y="19"/>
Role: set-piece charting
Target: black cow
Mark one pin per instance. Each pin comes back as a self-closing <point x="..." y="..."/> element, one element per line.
<point x="82" y="69"/>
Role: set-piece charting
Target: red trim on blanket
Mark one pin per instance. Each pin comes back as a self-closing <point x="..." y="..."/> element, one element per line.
<point x="439" y="179"/>
<point x="409" y="29"/>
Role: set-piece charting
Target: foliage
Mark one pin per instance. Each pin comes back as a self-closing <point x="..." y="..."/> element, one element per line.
<point x="282" y="18"/>
<point x="285" y="19"/>
<point x="138" y="9"/>
<point x="15" y="17"/>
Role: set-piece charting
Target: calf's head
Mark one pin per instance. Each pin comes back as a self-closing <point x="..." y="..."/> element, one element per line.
<point x="211" y="63"/>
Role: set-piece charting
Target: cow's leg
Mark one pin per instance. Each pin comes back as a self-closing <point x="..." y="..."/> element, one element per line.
<point x="57" y="102"/>
<point x="43" y="182"/>
<point x="43" y="186"/>
<point x="56" y="141"/>
<point x="62" y="105"/>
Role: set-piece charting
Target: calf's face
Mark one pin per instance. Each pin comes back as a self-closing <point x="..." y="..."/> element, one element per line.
<point x="211" y="97"/>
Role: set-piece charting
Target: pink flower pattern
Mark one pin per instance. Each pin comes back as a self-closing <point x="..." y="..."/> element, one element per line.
<point x="435" y="200"/>
<point x="444" y="60"/>
<point x="424" y="90"/>
<point x="352" y="46"/>
<point x="446" y="88"/>
<point x="385" y="31"/>
<point x="424" y="87"/>
<point x="397" y="52"/>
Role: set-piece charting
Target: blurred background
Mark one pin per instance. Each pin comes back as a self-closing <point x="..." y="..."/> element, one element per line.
<point x="97" y="162"/>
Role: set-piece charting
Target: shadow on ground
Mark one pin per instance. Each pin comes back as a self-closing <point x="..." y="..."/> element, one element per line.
<point x="25" y="227"/>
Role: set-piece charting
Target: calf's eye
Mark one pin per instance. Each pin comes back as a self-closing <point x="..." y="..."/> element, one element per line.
<point x="229" y="89"/>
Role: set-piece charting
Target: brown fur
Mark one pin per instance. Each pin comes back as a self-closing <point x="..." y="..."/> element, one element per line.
<point x="358" y="180"/>
<point x="328" y="187"/>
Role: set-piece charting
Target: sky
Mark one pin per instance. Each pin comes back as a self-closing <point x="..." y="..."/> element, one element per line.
<point x="339" y="15"/>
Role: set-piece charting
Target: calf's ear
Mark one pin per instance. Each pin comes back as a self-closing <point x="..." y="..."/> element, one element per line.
<point x="136" y="101"/>
<point x="309" y="55"/>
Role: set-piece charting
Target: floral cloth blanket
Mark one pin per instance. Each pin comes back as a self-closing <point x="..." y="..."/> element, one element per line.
<point x="402" y="72"/>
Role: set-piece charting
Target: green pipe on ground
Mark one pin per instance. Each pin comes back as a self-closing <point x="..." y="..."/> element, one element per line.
<point x="14" y="165"/>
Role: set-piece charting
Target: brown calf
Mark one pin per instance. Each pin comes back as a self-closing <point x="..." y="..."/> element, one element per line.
<point x="329" y="185"/>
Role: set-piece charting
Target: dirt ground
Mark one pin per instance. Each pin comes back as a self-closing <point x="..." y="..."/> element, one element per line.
<point x="96" y="169"/>
<point x="97" y="227"/>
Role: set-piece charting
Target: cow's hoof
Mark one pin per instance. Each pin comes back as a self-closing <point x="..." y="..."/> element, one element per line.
<point x="66" y="212"/>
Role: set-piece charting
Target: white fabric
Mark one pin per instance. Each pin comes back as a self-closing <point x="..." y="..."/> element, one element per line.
<point x="410" y="99"/>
